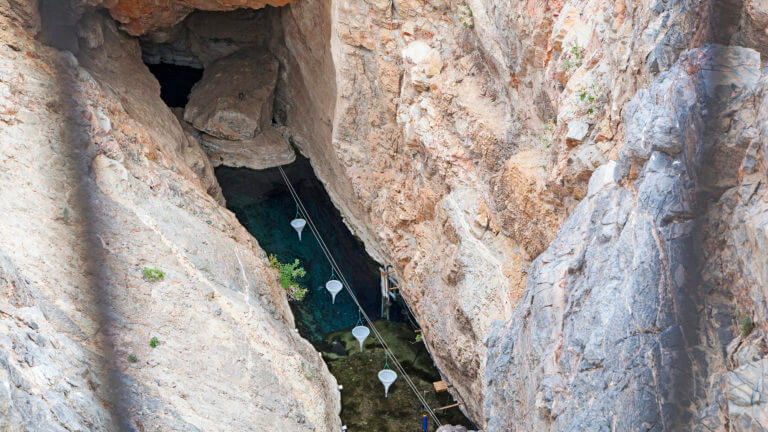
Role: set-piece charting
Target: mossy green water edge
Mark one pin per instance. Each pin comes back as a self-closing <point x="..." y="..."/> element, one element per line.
<point x="364" y="407"/>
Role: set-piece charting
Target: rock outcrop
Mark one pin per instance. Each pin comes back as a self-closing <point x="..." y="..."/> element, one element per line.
<point x="141" y="16"/>
<point x="621" y="326"/>
<point x="234" y="98"/>
<point x="572" y="195"/>
<point x="444" y="137"/>
<point x="97" y="187"/>
<point x="267" y="150"/>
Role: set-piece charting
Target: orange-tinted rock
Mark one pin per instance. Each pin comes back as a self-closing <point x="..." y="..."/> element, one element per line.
<point x="141" y="16"/>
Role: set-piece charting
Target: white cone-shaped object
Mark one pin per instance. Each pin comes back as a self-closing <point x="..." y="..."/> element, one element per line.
<point x="298" y="224"/>
<point x="387" y="377"/>
<point x="361" y="333"/>
<point x="334" y="287"/>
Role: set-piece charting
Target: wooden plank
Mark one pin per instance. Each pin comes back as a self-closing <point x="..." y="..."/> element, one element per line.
<point x="440" y="386"/>
<point x="447" y="406"/>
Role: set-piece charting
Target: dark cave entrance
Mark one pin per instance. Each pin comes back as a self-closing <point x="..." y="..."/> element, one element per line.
<point x="176" y="82"/>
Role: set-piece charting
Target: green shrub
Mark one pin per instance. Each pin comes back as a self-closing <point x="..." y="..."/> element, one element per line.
<point x="133" y="359"/>
<point x="152" y="274"/>
<point x="289" y="273"/>
<point x="572" y="59"/>
<point x="745" y="324"/>
<point x="154" y="342"/>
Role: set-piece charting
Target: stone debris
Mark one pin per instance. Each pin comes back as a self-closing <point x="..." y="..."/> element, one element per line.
<point x="577" y="131"/>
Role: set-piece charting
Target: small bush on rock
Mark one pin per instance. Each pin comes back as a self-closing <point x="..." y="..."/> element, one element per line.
<point x="152" y="274"/>
<point x="288" y="277"/>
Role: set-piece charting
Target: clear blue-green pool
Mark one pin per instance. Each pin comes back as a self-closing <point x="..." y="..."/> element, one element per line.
<point x="262" y="203"/>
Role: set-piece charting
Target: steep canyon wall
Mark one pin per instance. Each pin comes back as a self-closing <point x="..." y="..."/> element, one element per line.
<point x="571" y="193"/>
<point x="100" y="181"/>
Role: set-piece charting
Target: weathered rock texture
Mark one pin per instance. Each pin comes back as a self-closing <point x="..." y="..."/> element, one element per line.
<point x="443" y="138"/>
<point x="140" y="16"/>
<point x="267" y="150"/>
<point x="98" y="182"/>
<point x="234" y="98"/>
<point x="461" y="141"/>
<point x="621" y="327"/>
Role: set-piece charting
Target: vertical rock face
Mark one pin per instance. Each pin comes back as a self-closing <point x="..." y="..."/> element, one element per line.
<point x="621" y="326"/>
<point x="572" y="195"/>
<point x="447" y="148"/>
<point x="99" y="183"/>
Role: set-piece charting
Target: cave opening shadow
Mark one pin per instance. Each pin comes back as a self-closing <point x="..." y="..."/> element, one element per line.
<point x="176" y="82"/>
<point x="263" y="205"/>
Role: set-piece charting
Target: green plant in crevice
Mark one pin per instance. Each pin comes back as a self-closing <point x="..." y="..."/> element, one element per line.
<point x="154" y="342"/>
<point x="133" y="359"/>
<point x="308" y="374"/>
<point x="587" y="97"/>
<point x="289" y="273"/>
<point x="152" y="274"/>
<point x="545" y="137"/>
<point x="745" y="323"/>
<point x="572" y="59"/>
<point x="65" y="215"/>
<point x="465" y="15"/>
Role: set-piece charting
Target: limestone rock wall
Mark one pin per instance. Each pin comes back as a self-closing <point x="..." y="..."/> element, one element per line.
<point x="463" y="134"/>
<point x="99" y="181"/>
<point x="570" y="192"/>
<point x="618" y="328"/>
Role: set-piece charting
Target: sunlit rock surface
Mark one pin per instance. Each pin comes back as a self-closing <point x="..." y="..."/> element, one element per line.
<point x="621" y="326"/>
<point x="462" y="143"/>
<point x="96" y="186"/>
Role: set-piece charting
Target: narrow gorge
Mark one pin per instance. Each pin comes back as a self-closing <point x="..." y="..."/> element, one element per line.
<point x="570" y="197"/>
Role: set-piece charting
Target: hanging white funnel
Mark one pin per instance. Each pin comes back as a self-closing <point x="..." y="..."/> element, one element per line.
<point x="387" y="377"/>
<point x="334" y="287"/>
<point x="298" y="224"/>
<point x="361" y="333"/>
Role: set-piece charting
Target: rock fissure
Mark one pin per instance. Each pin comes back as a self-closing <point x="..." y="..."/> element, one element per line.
<point x="570" y="194"/>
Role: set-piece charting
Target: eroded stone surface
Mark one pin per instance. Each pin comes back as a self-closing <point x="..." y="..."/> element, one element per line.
<point x="268" y="149"/>
<point x="96" y="186"/>
<point x="141" y="16"/>
<point x="234" y="98"/>
<point x="441" y="137"/>
<point x="616" y="323"/>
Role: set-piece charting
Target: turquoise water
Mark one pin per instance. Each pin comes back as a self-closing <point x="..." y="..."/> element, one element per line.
<point x="262" y="203"/>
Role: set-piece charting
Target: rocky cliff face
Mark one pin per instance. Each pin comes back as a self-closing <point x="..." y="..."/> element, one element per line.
<point x="626" y="318"/>
<point x="99" y="182"/>
<point x="571" y="193"/>
<point x="463" y="135"/>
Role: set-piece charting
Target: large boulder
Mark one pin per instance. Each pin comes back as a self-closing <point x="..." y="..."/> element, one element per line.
<point x="266" y="150"/>
<point x="234" y="98"/>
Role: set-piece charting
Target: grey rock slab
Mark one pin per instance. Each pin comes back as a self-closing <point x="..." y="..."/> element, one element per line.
<point x="234" y="98"/>
<point x="605" y="336"/>
<point x="577" y="131"/>
<point x="266" y="150"/>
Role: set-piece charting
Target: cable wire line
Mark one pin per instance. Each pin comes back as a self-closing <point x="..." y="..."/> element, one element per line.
<point x="344" y="282"/>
